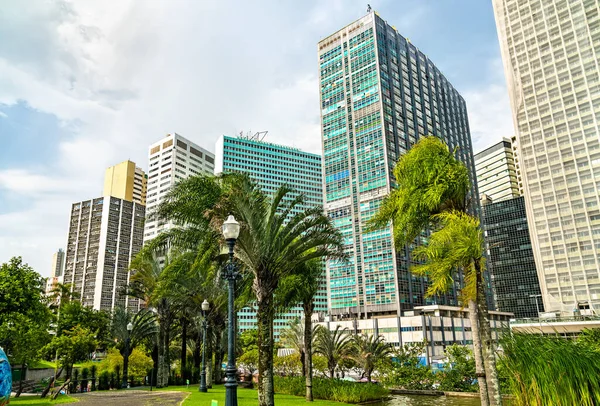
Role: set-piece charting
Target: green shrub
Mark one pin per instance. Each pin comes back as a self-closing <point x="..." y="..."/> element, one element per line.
<point x="331" y="389"/>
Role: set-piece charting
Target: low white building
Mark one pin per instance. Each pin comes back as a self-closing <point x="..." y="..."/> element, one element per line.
<point x="440" y="326"/>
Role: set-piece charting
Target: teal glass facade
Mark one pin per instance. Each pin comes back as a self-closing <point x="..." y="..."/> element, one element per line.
<point x="271" y="166"/>
<point x="379" y="93"/>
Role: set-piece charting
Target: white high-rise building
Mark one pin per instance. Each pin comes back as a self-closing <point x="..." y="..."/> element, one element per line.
<point x="58" y="263"/>
<point x="551" y="54"/>
<point x="170" y="160"/>
<point x="104" y="235"/>
<point x="56" y="271"/>
<point x="496" y="172"/>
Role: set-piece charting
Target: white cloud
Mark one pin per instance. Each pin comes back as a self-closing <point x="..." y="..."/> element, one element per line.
<point x="120" y="74"/>
<point x="2" y="114"/>
<point x="488" y="106"/>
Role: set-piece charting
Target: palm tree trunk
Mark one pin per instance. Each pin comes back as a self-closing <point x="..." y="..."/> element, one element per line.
<point x="161" y="355"/>
<point x="167" y="355"/>
<point x="308" y="350"/>
<point x="209" y="358"/>
<point x="219" y="354"/>
<point x="489" y="357"/>
<point x="197" y="348"/>
<point x="265" y="315"/>
<point x="183" y="349"/>
<point x="477" y="354"/>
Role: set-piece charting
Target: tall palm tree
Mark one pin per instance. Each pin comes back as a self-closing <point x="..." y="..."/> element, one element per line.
<point x="143" y="322"/>
<point x="334" y="345"/>
<point x="275" y="240"/>
<point x="433" y="193"/>
<point x="293" y="337"/>
<point x="148" y="284"/>
<point x="368" y="350"/>
<point x="302" y="288"/>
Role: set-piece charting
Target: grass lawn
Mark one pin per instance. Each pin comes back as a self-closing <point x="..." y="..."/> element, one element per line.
<point x="37" y="401"/>
<point x="246" y="397"/>
<point x="41" y="364"/>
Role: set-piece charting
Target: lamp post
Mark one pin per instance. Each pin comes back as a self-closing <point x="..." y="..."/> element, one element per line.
<point x="126" y="357"/>
<point x="205" y="308"/>
<point x="231" y="231"/>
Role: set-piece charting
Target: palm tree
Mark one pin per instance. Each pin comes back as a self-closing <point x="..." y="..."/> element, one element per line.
<point x="333" y="345"/>
<point x="275" y="240"/>
<point x="147" y="283"/>
<point x="368" y="350"/>
<point x="433" y="193"/>
<point x="302" y="288"/>
<point x="143" y="322"/>
<point x="293" y="337"/>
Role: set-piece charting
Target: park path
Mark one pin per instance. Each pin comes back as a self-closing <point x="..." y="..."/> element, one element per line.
<point x="130" y="398"/>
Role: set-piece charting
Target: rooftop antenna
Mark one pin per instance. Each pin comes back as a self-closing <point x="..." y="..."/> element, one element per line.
<point x="368" y="8"/>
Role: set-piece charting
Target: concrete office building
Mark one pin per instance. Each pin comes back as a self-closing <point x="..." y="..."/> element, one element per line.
<point x="170" y="160"/>
<point x="126" y="181"/>
<point x="496" y="172"/>
<point x="515" y="151"/>
<point x="104" y="235"/>
<point x="551" y="58"/>
<point x="378" y="95"/>
<point x="271" y="166"/>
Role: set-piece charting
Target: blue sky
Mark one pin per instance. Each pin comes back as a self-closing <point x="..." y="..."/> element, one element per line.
<point x="87" y="84"/>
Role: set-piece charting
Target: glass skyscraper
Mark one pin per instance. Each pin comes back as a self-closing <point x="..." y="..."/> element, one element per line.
<point x="272" y="165"/>
<point x="510" y="258"/>
<point x="379" y="94"/>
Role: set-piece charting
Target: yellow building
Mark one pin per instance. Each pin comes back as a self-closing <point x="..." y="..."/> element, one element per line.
<point x="126" y="181"/>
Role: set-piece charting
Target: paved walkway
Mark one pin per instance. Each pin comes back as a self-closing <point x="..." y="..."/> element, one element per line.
<point x="130" y="398"/>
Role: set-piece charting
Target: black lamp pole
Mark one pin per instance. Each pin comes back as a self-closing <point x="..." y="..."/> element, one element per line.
<point x="231" y="275"/>
<point x="231" y="231"/>
<point x="205" y="307"/>
<point x="126" y="357"/>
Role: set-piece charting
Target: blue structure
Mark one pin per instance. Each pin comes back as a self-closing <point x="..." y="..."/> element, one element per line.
<point x="5" y="379"/>
<point x="272" y="165"/>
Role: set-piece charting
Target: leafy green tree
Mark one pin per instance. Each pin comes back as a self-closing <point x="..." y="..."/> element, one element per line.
<point x="369" y="350"/>
<point x="333" y="345"/>
<point x="459" y="374"/>
<point x="248" y="341"/>
<point x="406" y="370"/>
<point x="24" y="315"/>
<point x="249" y="360"/>
<point x="139" y="362"/>
<point x="72" y="346"/>
<point x="74" y="314"/>
<point x="288" y="365"/>
<point x="433" y="193"/>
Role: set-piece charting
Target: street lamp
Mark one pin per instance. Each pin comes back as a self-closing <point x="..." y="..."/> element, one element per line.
<point x="205" y="308"/>
<point x="126" y="357"/>
<point x="231" y="231"/>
